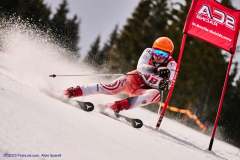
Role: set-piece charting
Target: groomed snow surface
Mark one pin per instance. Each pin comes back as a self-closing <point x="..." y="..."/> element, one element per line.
<point x="35" y="124"/>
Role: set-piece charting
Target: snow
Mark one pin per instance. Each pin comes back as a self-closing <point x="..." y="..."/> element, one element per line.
<point x="33" y="123"/>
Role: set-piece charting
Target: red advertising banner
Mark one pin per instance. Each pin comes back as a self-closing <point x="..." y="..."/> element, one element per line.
<point x="214" y="23"/>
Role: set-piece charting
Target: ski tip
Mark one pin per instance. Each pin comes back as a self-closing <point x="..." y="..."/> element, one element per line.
<point x="86" y="106"/>
<point x="137" y="123"/>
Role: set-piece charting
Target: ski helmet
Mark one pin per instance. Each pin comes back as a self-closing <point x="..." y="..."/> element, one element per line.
<point x="164" y="44"/>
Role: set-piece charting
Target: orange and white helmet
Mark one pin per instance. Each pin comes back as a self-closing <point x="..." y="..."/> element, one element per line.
<point x="164" y="44"/>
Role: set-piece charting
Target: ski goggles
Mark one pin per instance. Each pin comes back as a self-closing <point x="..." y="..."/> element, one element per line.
<point x="160" y="53"/>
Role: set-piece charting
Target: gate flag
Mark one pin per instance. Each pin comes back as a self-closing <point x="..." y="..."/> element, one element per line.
<point x="210" y="21"/>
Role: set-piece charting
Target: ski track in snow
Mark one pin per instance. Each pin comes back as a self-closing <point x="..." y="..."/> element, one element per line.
<point x="34" y="123"/>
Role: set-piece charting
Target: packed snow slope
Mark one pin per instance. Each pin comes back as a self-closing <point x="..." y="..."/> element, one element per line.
<point x="35" y="124"/>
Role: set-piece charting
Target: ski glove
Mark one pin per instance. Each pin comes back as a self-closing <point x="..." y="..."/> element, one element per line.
<point x="163" y="72"/>
<point x="73" y="92"/>
<point x="163" y="85"/>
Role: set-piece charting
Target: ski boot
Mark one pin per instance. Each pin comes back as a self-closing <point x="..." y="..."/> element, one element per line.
<point x="119" y="106"/>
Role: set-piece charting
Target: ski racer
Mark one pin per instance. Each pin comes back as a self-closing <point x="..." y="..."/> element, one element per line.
<point x="155" y="71"/>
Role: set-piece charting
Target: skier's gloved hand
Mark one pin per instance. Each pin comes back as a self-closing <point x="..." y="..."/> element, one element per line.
<point x="73" y="92"/>
<point x="163" y="72"/>
<point x="163" y="85"/>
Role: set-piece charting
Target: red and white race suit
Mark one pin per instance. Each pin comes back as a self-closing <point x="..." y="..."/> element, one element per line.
<point x="141" y="84"/>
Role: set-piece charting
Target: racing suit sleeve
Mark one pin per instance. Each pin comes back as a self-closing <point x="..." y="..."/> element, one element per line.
<point x="147" y="71"/>
<point x="143" y="66"/>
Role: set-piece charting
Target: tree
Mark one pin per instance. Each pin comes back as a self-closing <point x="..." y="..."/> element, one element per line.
<point x="37" y="13"/>
<point x="34" y="11"/>
<point x="104" y="54"/>
<point x="66" y="30"/>
<point x="135" y="36"/>
<point x="155" y="24"/>
<point x="99" y="57"/>
<point x="92" y="56"/>
<point x="230" y="120"/>
<point x="227" y="3"/>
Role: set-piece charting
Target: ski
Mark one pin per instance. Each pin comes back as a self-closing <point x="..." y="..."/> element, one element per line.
<point x="89" y="106"/>
<point x="135" y="123"/>
<point x="86" y="106"/>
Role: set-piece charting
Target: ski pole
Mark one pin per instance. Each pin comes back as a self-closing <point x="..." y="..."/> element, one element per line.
<point x="87" y="75"/>
<point x="161" y="102"/>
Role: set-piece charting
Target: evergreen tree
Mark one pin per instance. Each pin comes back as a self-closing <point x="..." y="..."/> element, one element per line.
<point x="139" y="33"/>
<point x="104" y="54"/>
<point x="34" y="11"/>
<point x="238" y="48"/>
<point x="66" y="29"/>
<point x="8" y="7"/>
<point x="98" y="56"/>
<point x="230" y="120"/>
<point x="92" y="55"/>
<point x="227" y="3"/>
<point x="38" y="13"/>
